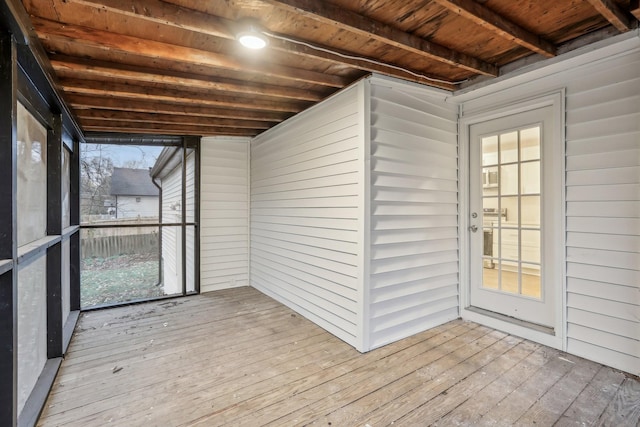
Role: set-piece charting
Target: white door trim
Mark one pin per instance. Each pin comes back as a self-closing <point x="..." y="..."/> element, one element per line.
<point x="556" y="101"/>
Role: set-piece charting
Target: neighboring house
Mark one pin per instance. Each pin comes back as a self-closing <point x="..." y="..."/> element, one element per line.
<point x="135" y="195"/>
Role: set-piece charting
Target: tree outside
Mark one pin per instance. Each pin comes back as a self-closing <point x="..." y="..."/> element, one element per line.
<point x="120" y="257"/>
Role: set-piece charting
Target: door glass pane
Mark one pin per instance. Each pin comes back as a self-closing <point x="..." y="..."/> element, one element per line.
<point x="490" y="277"/>
<point x="530" y="178"/>
<point x="530" y="246"/>
<point x="510" y="210"/>
<point x="509" y="277"/>
<point x="509" y="179"/>
<point x="531" y="285"/>
<point x="530" y="211"/>
<point x="509" y="243"/>
<point x="509" y="147"/>
<point x="490" y="150"/>
<point x="511" y="213"/>
<point x="530" y="144"/>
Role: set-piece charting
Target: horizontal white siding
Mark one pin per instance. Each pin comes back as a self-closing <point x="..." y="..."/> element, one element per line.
<point x="190" y="217"/>
<point x="603" y="212"/>
<point x="172" y="235"/>
<point x="414" y="245"/>
<point x="602" y="192"/>
<point x="306" y="187"/>
<point x="224" y="212"/>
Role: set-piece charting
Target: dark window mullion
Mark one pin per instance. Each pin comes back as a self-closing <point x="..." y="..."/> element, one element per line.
<point x="8" y="240"/>
<point x="54" y="227"/>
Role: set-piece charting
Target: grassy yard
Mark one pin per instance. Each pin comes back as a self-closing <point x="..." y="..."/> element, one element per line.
<point x="119" y="279"/>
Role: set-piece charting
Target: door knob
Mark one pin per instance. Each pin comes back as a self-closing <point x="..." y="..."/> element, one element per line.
<point x="473" y="228"/>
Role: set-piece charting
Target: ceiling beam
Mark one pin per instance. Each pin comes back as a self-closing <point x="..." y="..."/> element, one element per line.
<point x="617" y="16"/>
<point x="129" y="116"/>
<point x="129" y="91"/>
<point x="67" y="66"/>
<point x="104" y="40"/>
<point x="92" y="125"/>
<point x="350" y="21"/>
<point x="634" y="8"/>
<point x="485" y="17"/>
<point x="193" y="20"/>
<point x="356" y="60"/>
<point x="80" y="102"/>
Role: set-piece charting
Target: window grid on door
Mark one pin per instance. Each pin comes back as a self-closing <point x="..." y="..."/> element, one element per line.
<point x="511" y="178"/>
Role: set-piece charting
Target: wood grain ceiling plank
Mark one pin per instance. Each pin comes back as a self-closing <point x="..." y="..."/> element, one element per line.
<point x="497" y="24"/>
<point x="617" y="16"/>
<point x="80" y="102"/>
<point x="154" y="128"/>
<point x="99" y="39"/>
<point x="129" y="116"/>
<point x="193" y="20"/>
<point x="129" y="91"/>
<point x="65" y="66"/>
<point x="360" y="62"/>
<point x="166" y="14"/>
<point x="349" y="21"/>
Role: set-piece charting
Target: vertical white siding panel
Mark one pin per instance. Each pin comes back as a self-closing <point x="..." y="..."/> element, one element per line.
<point x="602" y="202"/>
<point x="306" y="179"/>
<point x="414" y="244"/>
<point x="224" y="212"/>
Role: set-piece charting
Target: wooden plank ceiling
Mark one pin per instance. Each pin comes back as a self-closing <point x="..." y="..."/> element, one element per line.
<point x="174" y="67"/>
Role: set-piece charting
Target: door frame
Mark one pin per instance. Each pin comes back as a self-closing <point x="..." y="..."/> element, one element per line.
<point x="557" y="337"/>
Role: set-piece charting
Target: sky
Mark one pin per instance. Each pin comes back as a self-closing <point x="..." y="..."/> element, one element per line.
<point x="124" y="155"/>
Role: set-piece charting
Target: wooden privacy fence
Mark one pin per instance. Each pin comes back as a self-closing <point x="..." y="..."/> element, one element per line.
<point x="109" y="246"/>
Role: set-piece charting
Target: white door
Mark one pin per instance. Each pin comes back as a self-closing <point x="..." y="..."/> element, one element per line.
<point x="511" y="224"/>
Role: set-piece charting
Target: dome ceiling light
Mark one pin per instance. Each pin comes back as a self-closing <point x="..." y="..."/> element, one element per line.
<point x="252" y="36"/>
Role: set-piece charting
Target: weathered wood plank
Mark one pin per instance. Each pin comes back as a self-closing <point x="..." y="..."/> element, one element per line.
<point x="485" y="17"/>
<point x="550" y="407"/>
<point x="151" y="49"/>
<point x="360" y="24"/>
<point x="73" y="67"/>
<point x="624" y="409"/>
<point x="237" y="357"/>
<point x="593" y="399"/>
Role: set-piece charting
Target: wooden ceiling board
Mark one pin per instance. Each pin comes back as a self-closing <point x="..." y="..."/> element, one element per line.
<point x="82" y="102"/>
<point x="174" y="66"/>
<point x="75" y="67"/>
<point x="556" y="21"/>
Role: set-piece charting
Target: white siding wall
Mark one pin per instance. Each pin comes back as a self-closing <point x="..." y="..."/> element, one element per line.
<point x="603" y="212"/>
<point x="190" y="231"/>
<point x="414" y="243"/>
<point x="224" y="212"/>
<point x="602" y="194"/>
<point x="306" y="209"/>
<point x="172" y="235"/>
<point x="130" y="207"/>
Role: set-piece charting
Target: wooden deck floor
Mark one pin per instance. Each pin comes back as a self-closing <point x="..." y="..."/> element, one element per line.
<point x="238" y="358"/>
